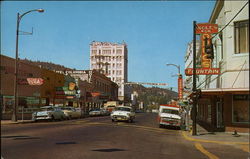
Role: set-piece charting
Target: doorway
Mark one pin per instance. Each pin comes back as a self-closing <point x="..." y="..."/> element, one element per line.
<point x="219" y="113"/>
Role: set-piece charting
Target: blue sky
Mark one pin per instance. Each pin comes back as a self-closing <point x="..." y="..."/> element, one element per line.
<point x="156" y="32"/>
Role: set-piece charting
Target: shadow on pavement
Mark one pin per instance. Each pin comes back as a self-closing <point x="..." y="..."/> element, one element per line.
<point x="20" y="137"/>
<point x="109" y="150"/>
<point x="66" y="143"/>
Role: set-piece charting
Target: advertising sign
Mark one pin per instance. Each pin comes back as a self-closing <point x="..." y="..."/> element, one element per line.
<point x="95" y="94"/>
<point x="202" y="71"/>
<point x="206" y="28"/>
<point x="65" y="93"/>
<point x="205" y="62"/>
<point x="35" y="81"/>
<point x="180" y="87"/>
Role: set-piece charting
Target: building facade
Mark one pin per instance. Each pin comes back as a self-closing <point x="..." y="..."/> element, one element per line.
<point x="85" y="89"/>
<point x="224" y="101"/>
<point x="95" y="87"/>
<point x="111" y="59"/>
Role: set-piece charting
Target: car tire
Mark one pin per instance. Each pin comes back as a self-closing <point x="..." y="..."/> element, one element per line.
<point x="61" y="118"/>
<point x="113" y="120"/>
<point x="160" y="126"/>
<point x="52" y="118"/>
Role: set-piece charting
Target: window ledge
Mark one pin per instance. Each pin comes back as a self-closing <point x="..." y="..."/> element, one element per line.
<point x="240" y="54"/>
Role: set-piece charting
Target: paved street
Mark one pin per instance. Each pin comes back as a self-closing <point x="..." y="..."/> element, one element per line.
<point x="98" y="137"/>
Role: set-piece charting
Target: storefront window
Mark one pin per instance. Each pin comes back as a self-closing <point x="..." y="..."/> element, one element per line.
<point x="241" y="108"/>
<point x="8" y="102"/>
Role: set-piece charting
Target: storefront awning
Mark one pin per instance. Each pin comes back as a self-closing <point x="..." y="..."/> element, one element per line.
<point x="219" y="91"/>
<point x="224" y="90"/>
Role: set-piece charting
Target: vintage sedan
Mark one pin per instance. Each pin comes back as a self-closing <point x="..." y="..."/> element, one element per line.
<point x="71" y="112"/>
<point x="123" y="113"/>
<point x="48" y="113"/>
<point x="95" y="112"/>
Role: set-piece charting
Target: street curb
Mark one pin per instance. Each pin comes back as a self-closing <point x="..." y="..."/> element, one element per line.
<point x="11" y="123"/>
<point x="187" y="137"/>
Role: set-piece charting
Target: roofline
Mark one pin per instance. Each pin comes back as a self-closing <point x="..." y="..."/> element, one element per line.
<point x="169" y="105"/>
<point x="225" y="90"/>
<point x="217" y="8"/>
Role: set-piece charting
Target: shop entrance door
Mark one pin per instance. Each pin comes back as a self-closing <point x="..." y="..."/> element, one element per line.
<point x="219" y="112"/>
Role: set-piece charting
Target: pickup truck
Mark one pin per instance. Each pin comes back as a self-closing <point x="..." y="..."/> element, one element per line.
<point x="169" y="115"/>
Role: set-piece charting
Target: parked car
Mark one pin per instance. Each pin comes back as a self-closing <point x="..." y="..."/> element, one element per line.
<point x="110" y="108"/>
<point x="169" y="115"/>
<point x="105" y="112"/>
<point x="48" y="113"/>
<point x="123" y="113"/>
<point x="71" y="112"/>
<point x="95" y="112"/>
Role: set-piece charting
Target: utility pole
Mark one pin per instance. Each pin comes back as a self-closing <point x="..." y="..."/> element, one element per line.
<point x="194" y="109"/>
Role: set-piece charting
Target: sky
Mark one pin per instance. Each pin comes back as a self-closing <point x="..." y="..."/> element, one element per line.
<point x="156" y="32"/>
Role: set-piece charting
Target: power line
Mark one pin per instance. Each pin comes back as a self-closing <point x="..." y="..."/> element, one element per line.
<point x="231" y="20"/>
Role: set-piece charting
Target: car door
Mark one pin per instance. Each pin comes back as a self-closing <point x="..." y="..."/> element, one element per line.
<point x="73" y="112"/>
<point x="58" y="113"/>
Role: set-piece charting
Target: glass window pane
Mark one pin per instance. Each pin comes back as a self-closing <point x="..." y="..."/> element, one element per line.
<point x="241" y="108"/>
<point x="241" y="37"/>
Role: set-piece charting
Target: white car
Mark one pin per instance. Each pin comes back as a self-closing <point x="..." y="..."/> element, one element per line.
<point x="95" y="112"/>
<point x="71" y="112"/>
<point x="122" y="113"/>
<point x="48" y="113"/>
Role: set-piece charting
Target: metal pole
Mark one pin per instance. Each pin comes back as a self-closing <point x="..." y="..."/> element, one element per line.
<point x="22" y="113"/>
<point x="14" y="115"/>
<point x="194" y="132"/>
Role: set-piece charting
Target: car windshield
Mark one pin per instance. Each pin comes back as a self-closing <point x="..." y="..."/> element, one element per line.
<point x="170" y="111"/>
<point x="95" y="110"/>
<point x="63" y="108"/>
<point x="47" y="109"/>
<point x="123" y="109"/>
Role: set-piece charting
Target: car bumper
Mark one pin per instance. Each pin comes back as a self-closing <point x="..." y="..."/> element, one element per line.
<point x="42" y="118"/>
<point x="121" y="118"/>
<point x="170" y="123"/>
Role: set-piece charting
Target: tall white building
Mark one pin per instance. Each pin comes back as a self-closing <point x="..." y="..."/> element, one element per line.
<point x="111" y="59"/>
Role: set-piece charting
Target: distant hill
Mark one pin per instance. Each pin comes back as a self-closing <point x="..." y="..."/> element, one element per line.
<point x="46" y="65"/>
<point x="153" y="95"/>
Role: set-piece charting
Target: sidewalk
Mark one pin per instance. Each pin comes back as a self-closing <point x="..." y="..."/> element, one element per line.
<point x="217" y="137"/>
<point x="6" y="122"/>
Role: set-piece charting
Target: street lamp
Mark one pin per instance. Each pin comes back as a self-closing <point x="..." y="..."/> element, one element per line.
<point x="177" y="66"/>
<point x="180" y="93"/>
<point x="180" y="85"/>
<point x="19" y="17"/>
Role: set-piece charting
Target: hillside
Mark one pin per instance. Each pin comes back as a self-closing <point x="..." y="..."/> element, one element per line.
<point x="46" y="65"/>
<point x="153" y="96"/>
